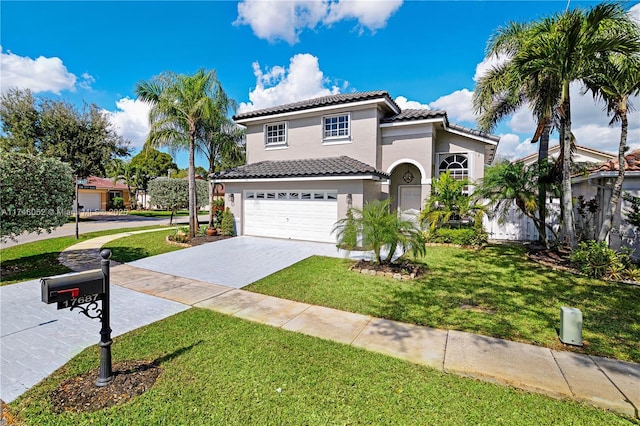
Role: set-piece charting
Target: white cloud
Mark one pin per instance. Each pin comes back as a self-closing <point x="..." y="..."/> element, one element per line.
<point x="371" y="14"/>
<point x="457" y="104"/>
<point x="280" y="20"/>
<point x="39" y="75"/>
<point x="279" y="85"/>
<point x="131" y="120"/>
<point x="487" y="64"/>
<point x="634" y="11"/>
<point x="285" y="20"/>
<point x="512" y="148"/>
<point x="87" y="81"/>
<point x="522" y="121"/>
<point x="404" y="103"/>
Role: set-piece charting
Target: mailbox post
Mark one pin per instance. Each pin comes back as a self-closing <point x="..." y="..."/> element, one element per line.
<point x="82" y="291"/>
<point x="106" y="374"/>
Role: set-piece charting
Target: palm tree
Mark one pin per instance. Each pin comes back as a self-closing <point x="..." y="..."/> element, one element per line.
<point x="180" y="107"/>
<point x="614" y="82"/>
<point x="378" y="227"/>
<point x="566" y="47"/>
<point x="447" y="202"/>
<point x="506" y="184"/>
<point x="221" y="141"/>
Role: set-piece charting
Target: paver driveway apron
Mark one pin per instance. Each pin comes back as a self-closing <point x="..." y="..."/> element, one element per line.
<point x="36" y="339"/>
<point x="236" y="262"/>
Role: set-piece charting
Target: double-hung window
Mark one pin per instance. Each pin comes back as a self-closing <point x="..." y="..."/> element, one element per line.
<point x="275" y="134"/>
<point x="337" y="126"/>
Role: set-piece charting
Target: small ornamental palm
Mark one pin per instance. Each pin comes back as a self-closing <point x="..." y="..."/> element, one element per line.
<point x="378" y="228"/>
<point x="448" y="202"/>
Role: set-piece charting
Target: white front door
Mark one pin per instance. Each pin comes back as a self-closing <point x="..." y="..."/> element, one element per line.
<point x="410" y="198"/>
<point x="298" y="215"/>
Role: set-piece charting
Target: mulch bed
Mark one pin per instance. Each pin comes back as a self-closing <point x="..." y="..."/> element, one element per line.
<point x="199" y="240"/>
<point x="130" y="379"/>
<point x="552" y="258"/>
<point x="404" y="268"/>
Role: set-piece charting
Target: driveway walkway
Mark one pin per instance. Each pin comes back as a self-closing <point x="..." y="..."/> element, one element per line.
<point x="237" y="262"/>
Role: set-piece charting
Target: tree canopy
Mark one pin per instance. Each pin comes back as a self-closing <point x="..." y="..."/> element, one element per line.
<point x="36" y="193"/>
<point x="173" y="194"/>
<point x="85" y="139"/>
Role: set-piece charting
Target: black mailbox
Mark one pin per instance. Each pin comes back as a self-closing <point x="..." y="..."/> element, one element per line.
<point x="64" y="288"/>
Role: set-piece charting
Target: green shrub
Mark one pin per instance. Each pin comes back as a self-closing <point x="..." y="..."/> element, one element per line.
<point x="227" y="228"/>
<point x="461" y="236"/>
<point x="181" y="235"/>
<point x="218" y="209"/>
<point x="597" y="260"/>
<point x="117" y="203"/>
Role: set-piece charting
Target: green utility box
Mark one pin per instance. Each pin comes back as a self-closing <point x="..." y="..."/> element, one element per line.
<point x="571" y="326"/>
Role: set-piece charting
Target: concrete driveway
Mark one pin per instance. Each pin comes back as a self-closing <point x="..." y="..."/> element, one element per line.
<point x="240" y="261"/>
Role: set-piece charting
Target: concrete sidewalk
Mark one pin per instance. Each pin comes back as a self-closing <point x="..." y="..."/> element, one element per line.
<point x="606" y="383"/>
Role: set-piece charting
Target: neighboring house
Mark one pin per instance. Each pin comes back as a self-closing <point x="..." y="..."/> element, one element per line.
<point x="310" y="161"/>
<point x="97" y="194"/>
<point x="582" y="154"/>
<point x="598" y="184"/>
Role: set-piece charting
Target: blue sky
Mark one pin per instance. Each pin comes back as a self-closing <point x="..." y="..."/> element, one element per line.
<point x="424" y="53"/>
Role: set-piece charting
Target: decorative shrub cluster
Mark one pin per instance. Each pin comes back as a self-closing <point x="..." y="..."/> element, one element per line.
<point x="597" y="260"/>
<point x="460" y="236"/>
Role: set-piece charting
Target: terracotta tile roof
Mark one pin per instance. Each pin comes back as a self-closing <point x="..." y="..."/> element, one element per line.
<point x="336" y="99"/>
<point x="316" y="167"/>
<point x="632" y="161"/>
<point x="104" y="183"/>
<point x="415" y="114"/>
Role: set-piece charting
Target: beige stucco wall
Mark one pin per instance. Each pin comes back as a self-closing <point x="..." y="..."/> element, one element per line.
<point x="360" y="190"/>
<point x="305" y="138"/>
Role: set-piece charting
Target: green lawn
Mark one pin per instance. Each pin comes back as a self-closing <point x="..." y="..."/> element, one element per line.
<point x="220" y="370"/>
<point x="134" y="247"/>
<point x="40" y="258"/>
<point x="496" y="292"/>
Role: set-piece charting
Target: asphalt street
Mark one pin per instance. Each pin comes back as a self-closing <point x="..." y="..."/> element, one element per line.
<point x="100" y="222"/>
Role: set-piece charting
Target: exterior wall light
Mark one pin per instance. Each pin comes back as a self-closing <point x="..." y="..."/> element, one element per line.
<point x="349" y="200"/>
<point x="231" y="197"/>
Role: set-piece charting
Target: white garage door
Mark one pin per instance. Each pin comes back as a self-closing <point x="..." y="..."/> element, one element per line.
<point x="89" y="201"/>
<point x="298" y="215"/>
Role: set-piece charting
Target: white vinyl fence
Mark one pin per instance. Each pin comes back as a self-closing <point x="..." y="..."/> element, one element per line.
<point x="518" y="227"/>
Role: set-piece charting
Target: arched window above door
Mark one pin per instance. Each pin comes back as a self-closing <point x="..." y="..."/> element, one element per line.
<point x="457" y="164"/>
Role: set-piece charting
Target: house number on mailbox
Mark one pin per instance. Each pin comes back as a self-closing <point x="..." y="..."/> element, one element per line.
<point x="80" y="300"/>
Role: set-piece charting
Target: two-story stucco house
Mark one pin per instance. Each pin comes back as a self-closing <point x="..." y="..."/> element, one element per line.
<point x="309" y="161"/>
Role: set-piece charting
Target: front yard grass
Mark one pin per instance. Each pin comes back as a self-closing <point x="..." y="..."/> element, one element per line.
<point x="134" y="247"/>
<point x="40" y="258"/>
<point x="220" y="370"/>
<point x="495" y="292"/>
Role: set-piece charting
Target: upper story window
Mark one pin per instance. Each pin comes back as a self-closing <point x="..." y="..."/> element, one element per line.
<point x="337" y="126"/>
<point x="275" y="134"/>
<point x="457" y="164"/>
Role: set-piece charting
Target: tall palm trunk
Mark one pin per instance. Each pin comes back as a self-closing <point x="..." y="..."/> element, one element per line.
<point x="212" y="188"/>
<point x="543" y="154"/>
<point x="193" y="217"/>
<point x="568" y="226"/>
<point x="614" y="203"/>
